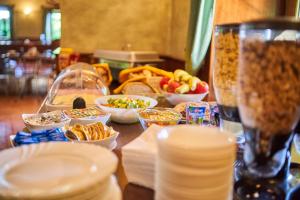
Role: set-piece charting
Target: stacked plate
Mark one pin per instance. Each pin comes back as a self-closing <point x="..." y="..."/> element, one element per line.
<point x="68" y="171"/>
<point x="194" y="163"/>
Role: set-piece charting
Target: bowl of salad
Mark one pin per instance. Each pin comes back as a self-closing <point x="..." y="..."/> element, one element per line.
<point x="124" y="108"/>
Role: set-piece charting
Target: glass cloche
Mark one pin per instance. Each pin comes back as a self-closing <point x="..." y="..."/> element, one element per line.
<point x="78" y="81"/>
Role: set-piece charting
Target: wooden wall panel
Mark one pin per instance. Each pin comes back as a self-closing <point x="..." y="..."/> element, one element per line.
<point x="228" y="11"/>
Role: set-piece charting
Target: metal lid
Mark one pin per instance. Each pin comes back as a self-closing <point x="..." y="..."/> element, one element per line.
<point x="227" y="27"/>
<point x="272" y="23"/>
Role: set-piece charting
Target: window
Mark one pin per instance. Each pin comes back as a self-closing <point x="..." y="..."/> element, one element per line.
<point x="5" y="23"/>
<point x="53" y="25"/>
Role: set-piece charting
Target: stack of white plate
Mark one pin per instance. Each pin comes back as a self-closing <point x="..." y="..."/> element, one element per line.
<point x="68" y="171"/>
<point x="194" y="163"/>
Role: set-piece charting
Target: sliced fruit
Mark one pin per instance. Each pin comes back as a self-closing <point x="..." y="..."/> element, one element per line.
<point x="179" y="73"/>
<point x="186" y="78"/>
<point x="193" y="82"/>
<point x="202" y="87"/>
<point x="184" y="88"/>
<point x="172" y="86"/>
<point x="164" y="81"/>
<point x="165" y="87"/>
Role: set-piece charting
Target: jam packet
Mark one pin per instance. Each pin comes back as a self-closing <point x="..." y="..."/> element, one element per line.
<point x="195" y="114"/>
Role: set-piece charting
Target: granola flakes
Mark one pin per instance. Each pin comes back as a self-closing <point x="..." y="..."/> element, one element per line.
<point x="225" y="67"/>
<point x="269" y="85"/>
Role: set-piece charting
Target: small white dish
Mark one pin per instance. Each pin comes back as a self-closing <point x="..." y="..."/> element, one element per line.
<point x="175" y="99"/>
<point x="34" y="127"/>
<point x="123" y="115"/>
<point x="90" y="120"/>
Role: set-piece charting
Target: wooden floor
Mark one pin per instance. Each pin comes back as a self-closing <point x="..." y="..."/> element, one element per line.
<point x="11" y="109"/>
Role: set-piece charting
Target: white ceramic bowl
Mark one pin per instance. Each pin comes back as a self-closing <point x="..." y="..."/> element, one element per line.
<point x="109" y="142"/>
<point x="123" y="115"/>
<point x="90" y="120"/>
<point x="175" y="99"/>
<point x="32" y="127"/>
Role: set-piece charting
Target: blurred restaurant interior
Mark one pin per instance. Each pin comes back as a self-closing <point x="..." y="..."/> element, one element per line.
<point x="40" y="38"/>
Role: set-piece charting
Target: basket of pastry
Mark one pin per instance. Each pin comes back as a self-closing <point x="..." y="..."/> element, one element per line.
<point x="141" y="80"/>
<point x="95" y="133"/>
<point x="104" y="71"/>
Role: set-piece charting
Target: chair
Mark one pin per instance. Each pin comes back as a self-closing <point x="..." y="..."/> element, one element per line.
<point x="4" y="83"/>
<point x="47" y="65"/>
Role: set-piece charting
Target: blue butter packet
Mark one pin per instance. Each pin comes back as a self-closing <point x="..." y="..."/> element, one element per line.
<point x="56" y="134"/>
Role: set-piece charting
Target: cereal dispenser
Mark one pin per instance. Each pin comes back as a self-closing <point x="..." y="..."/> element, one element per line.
<point x="268" y="91"/>
<point x="225" y="67"/>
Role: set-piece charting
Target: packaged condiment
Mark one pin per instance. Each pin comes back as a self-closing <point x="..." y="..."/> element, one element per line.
<point x="195" y="113"/>
<point x="39" y="136"/>
<point x="214" y="114"/>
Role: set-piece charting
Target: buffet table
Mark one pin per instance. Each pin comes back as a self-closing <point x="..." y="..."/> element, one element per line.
<point x="128" y="132"/>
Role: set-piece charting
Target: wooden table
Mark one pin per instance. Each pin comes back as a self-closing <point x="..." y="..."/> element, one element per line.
<point x="128" y="132"/>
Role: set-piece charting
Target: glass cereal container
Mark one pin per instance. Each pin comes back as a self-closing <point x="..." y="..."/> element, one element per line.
<point x="225" y="67"/>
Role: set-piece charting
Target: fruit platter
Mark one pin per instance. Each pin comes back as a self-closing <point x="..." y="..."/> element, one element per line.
<point x="183" y="87"/>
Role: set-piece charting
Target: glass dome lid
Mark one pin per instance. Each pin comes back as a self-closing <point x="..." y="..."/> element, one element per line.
<point x="78" y="80"/>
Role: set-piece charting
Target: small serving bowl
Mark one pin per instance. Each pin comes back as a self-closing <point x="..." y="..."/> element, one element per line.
<point x="86" y="116"/>
<point x="108" y="142"/>
<point x="162" y="118"/>
<point x="175" y="99"/>
<point x="33" y="127"/>
<point x="123" y="115"/>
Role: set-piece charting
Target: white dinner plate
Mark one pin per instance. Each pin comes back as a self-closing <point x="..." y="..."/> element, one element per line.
<point x="53" y="169"/>
<point x="196" y="138"/>
<point x="100" y="191"/>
